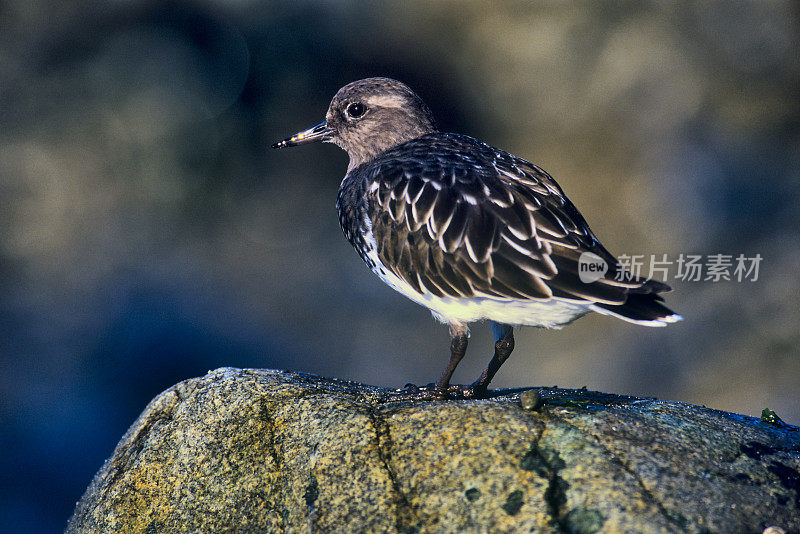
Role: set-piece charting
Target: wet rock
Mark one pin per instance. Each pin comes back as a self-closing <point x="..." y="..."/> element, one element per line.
<point x="272" y="451"/>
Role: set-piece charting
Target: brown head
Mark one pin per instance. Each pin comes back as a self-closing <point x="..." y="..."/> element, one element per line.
<point x="368" y="117"/>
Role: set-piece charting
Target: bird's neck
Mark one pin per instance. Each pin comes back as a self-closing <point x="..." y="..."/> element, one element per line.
<point x="365" y="150"/>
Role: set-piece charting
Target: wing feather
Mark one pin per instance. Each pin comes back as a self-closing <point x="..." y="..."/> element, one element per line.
<point x="453" y="237"/>
<point x="443" y="211"/>
<point x="457" y="218"/>
<point x="423" y="206"/>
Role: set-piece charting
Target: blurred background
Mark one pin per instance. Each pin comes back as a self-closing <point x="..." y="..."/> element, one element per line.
<point x="148" y="234"/>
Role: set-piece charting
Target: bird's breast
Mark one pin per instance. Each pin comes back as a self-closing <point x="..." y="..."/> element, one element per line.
<point x="354" y="218"/>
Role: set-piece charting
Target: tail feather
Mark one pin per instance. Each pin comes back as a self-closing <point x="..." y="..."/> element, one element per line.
<point x="651" y="286"/>
<point x="643" y="309"/>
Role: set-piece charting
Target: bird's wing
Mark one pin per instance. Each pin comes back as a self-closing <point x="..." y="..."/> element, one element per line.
<point x="497" y="226"/>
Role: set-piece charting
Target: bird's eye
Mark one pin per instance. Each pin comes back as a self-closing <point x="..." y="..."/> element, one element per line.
<point x="356" y="110"/>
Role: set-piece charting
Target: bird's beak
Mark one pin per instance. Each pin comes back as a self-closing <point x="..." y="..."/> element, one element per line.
<point x="318" y="132"/>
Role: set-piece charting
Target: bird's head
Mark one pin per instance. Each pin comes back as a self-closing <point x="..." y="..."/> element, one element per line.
<point x="368" y="117"/>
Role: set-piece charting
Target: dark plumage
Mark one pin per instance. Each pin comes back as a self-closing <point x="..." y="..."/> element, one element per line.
<point x="470" y="231"/>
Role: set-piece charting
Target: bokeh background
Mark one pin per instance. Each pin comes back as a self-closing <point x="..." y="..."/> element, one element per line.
<point x="148" y="234"/>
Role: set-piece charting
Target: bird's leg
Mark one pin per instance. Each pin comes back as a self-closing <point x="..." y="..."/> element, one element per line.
<point x="503" y="345"/>
<point x="459" y="338"/>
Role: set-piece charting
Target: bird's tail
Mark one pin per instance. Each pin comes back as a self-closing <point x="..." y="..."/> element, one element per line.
<point x="640" y="308"/>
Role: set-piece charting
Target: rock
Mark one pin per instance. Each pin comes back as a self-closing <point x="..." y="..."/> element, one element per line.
<point x="272" y="451"/>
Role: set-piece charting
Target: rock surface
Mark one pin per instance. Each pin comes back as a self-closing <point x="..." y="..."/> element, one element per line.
<point x="272" y="451"/>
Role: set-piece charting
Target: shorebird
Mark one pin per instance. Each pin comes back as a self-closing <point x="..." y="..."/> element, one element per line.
<point x="467" y="230"/>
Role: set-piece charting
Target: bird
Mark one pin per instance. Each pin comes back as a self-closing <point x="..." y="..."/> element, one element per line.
<point x="467" y="230"/>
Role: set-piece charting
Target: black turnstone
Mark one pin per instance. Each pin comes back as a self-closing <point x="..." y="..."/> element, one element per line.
<point x="469" y="231"/>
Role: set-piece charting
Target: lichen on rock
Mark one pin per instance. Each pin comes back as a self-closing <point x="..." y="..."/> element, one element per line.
<point x="273" y="451"/>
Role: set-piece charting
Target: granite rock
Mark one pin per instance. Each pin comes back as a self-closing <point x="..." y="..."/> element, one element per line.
<point x="272" y="451"/>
